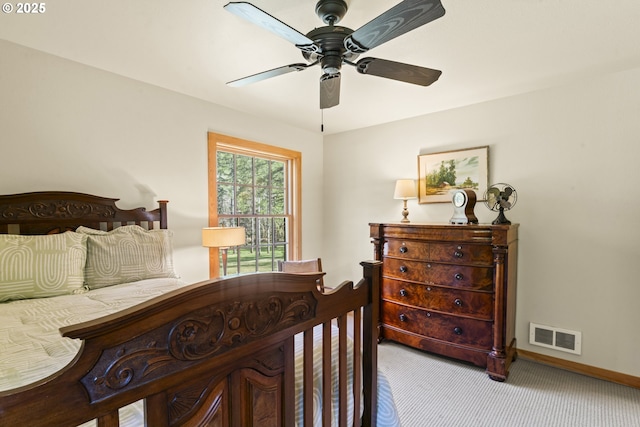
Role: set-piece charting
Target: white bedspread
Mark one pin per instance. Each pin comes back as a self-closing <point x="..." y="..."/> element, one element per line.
<point x="31" y="347"/>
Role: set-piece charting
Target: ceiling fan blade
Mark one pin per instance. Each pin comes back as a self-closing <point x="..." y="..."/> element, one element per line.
<point x="329" y="90"/>
<point x="261" y="18"/>
<point x="402" y="18"/>
<point x="268" y="74"/>
<point x="398" y="71"/>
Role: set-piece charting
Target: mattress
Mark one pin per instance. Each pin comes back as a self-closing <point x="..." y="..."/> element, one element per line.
<point x="31" y="347"/>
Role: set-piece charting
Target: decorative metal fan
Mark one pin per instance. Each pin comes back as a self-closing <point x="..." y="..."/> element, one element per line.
<point x="500" y="197"/>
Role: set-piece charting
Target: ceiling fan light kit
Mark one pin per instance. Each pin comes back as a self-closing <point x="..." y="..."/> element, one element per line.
<point x="332" y="46"/>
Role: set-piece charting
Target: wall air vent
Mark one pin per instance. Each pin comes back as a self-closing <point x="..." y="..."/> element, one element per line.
<point x="555" y="338"/>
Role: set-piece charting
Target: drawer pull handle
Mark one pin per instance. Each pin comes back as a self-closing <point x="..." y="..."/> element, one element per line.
<point x="403" y="269"/>
<point x="459" y="276"/>
<point x="403" y="249"/>
<point x="403" y="317"/>
<point x="403" y="292"/>
<point x="458" y="254"/>
<point x="458" y="302"/>
<point x="457" y="330"/>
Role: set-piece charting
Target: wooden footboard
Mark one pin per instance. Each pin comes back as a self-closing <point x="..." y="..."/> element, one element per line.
<point x="218" y="353"/>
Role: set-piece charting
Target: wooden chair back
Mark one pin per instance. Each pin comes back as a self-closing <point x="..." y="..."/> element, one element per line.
<point x="303" y="266"/>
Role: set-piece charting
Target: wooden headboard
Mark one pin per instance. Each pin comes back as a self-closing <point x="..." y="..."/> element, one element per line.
<point x="47" y="212"/>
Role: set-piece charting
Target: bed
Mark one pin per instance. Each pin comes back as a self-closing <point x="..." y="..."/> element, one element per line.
<point x="97" y="329"/>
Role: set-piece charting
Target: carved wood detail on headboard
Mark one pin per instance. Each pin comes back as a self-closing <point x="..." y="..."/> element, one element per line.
<point x="47" y="212"/>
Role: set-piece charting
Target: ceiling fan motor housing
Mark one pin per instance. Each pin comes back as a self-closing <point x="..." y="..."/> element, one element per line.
<point x="331" y="11"/>
<point x="331" y="49"/>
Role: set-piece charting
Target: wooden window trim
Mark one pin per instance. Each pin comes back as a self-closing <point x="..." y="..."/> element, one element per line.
<point x="231" y="144"/>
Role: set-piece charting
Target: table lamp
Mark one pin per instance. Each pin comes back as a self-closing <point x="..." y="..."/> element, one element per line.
<point x="405" y="190"/>
<point x="223" y="238"/>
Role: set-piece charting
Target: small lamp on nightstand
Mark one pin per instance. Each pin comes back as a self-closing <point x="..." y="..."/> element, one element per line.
<point x="405" y="190"/>
<point x="223" y="238"/>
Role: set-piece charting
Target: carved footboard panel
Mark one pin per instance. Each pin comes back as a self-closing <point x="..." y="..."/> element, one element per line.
<point x="218" y="353"/>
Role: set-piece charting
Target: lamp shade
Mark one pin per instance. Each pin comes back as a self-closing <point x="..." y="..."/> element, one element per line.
<point x="223" y="237"/>
<point x="405" y="189"/>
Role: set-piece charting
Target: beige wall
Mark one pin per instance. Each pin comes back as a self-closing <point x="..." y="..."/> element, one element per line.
<point x="571" y="153"/>
<point x="66" y="126"/>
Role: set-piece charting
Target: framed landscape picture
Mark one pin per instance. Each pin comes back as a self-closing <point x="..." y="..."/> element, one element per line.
<point x="439" y="173"/>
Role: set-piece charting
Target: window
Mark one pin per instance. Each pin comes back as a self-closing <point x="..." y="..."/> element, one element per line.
<point x="255" y="186"/>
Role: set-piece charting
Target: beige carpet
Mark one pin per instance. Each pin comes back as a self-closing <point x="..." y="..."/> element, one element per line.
<point x="434" y="391"/>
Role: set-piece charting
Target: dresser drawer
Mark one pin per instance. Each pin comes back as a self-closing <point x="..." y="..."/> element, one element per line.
<point x="407" y="249"/>
<point x="453" y="329"/>
<point x="461" y="276"/>
<point x="477" y="356"/>
<point x="461" y="253"/>
<point x="447" y="300"/>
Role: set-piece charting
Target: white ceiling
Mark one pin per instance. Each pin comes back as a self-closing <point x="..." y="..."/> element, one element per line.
<point x="487" y="49"/>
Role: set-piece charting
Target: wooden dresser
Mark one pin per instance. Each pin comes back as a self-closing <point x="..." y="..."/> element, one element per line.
<point x="451" y="290"/>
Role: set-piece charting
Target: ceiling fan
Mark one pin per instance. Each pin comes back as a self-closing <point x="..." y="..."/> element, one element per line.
<point x="331" y="46"/>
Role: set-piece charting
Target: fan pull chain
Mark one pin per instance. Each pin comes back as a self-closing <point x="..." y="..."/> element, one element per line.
<point x="321" y="120"/>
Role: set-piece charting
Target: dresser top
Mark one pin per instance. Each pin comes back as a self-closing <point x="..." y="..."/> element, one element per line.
<point x="501" y="234"/>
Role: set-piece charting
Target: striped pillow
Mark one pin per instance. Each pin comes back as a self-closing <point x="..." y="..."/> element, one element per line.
<point x="41" y="266"/>
<point x="127" y="254"/>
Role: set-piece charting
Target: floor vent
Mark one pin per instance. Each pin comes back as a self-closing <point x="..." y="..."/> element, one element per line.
<point x="555" y="338"/>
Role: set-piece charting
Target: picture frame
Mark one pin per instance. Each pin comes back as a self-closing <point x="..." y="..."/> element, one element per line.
<point x="467" y="168"/>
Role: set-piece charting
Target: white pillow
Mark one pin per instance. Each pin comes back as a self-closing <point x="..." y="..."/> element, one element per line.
<point x="127" y="254"/>
<point x="41" y="266"/>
